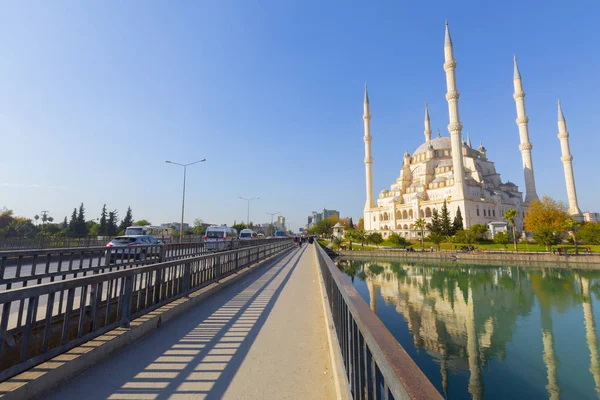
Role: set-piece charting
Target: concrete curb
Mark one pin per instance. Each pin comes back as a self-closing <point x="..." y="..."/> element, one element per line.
<point x="342" y="386"/>
<point x="39" y="380"/>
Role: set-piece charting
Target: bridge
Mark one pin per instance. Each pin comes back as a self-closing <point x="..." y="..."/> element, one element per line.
<point x="269" y="320"/>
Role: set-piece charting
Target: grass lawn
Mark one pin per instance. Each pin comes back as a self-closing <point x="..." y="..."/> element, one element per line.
<point x="488" y="245"/>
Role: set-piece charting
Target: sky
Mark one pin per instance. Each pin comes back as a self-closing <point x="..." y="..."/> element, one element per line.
<point x="95" y="96"/>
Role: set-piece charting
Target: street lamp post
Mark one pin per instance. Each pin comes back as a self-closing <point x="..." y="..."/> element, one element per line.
<point x="183" y="198"/>
<point x="248" y="212"/>
<point x="272" y="214"/>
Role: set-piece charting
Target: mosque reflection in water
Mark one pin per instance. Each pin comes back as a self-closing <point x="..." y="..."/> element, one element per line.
<point x="466" y="316"/>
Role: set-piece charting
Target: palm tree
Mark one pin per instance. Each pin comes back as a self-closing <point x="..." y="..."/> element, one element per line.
<point x="510" y="215"/>
<point x="420" y="224"/>
<point x="361" y="236"/>
<point x="572" y="227"/>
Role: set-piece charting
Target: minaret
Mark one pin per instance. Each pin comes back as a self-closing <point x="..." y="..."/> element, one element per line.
<point x="427" y="125"/>
<point x="567" y="160"/>
<point x="455" y="126"/>
<point x="525" y="146"/>
<point x="369" y="204"/>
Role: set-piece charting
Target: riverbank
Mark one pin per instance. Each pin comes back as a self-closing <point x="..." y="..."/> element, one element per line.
<point x="569" y="261"/>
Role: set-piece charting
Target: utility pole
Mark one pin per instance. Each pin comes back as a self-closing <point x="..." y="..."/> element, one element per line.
<point x="248" y="212"/>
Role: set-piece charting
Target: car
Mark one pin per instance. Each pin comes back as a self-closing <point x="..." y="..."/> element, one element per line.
<point x="260" y="236"/>
<point x="130" y="246"/>
<point x="247" y="234"/>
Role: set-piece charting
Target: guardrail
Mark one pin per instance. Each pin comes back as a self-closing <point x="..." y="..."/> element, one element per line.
<point x="376" y="366"/>
<point x="42" y="321"/>
<point x="33" y="267"/>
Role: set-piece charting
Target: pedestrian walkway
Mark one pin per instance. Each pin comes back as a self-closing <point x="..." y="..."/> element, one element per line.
<point x="263" y="338"/>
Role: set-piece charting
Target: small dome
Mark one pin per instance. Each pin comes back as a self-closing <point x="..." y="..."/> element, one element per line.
<point x="438" y="143"/>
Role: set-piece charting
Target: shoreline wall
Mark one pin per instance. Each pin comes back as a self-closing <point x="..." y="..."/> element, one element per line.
<point x="570" y="261"/>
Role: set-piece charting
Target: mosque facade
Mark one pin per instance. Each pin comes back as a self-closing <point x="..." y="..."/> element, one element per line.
<point x="452" y="170"/>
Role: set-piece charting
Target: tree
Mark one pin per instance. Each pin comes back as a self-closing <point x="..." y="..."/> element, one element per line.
<point x="436" y="238"/>
<point x="445" y="225"/>
<point x="142" y="222"/>
<point x="239" y="227"/>
<point x="361" y="225"/>
<point x="199" y="228"/>
<point x="127" y="221"/>
<point x="547" y="213"/>
<point x="502" y="238"/>
<point x="398" y="240"/>
<point x="375" y="238"/>
<point x="511" y="215"/>
<point x="590" y="232"/>
<point x="572" y="226"/>
<point x="103" y="228"/>
<point x="546" y="236"/>
<point x="81" y="229"/>
<point x="36" y="217"/>
<point x="350" y="224"/>
<point x="420" y="224"/>
<point x="361" y="236"/>
<point x="465" y="236"/>
<point x="478" y="231"/>
<point x="65" y="224"/>
<point x="112" y="229"/>
<point x="457" y="225"/>
<point x="435" y="225"/>
<point x="72" y="229"/>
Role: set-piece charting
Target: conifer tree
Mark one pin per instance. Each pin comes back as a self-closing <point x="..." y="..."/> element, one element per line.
<point x="73" y="223"/>
<point x="445" y="224"/>
<point x="127" y="221"/>
<point x="351" y="224"/>
<point x="81" y="229"/>
<point x="457" y="225"/>
<point x="434" y="226"/>
<point x="102" y="229"/>
<point x="65" y="224"/>
<point x="111" y="225"/>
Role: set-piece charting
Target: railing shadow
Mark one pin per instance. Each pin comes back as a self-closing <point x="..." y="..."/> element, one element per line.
<point x="187" y="358"/>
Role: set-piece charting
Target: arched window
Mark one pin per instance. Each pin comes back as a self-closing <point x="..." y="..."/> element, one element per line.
<point x="410" y="213"/>
<point x="405" y="226"/>
<point x="398" y="214"/>
<point x="381" y="217"/>
<point x="421" y="214"/>
<point x="404" y="215"/>
<point x="428" y="212"/>
<point x="385" y="216"/>
<point x="411" y="227"/>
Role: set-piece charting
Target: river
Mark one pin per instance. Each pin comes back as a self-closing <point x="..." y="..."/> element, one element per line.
<point x="490" y="332"/>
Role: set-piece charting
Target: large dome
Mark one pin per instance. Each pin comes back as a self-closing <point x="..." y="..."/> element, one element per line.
<point x="438" y="143"/>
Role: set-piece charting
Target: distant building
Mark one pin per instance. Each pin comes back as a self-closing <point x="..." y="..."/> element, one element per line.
<point x="589" y="216"/>
<point x="280" y="223"/>
<point x="316" y="217"/>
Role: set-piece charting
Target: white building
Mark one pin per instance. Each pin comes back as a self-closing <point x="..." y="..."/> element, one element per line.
<point x="589" y="216"/>
<point x="453" y="170"/>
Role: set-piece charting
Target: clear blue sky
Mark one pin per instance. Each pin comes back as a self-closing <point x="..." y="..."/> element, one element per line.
<point x="94" y="96"/>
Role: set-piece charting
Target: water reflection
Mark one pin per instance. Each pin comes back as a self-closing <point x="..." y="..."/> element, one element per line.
<point x="465" y="316"/>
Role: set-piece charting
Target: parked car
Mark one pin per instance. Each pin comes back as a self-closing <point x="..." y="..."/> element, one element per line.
<point x="130" y="246"/>
<point x="260" y="236"/>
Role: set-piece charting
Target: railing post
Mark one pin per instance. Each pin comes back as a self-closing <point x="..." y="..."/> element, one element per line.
<point x="127" y="296"/>
<point x="161" y="257"/>
<point x="187" y="271"/>
<point x="218" y="267"/>
<point x="237" y="259"/>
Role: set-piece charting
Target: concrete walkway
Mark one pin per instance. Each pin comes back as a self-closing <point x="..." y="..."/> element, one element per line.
<point x="263" y="338"/>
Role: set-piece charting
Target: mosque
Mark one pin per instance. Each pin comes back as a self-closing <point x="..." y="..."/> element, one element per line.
<point x="452" y="170"/>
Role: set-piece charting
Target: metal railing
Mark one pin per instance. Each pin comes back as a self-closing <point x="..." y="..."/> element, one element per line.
<point x="376" y="366"/>
<point x="33" y="267"/>
<point x="42" y="321"/>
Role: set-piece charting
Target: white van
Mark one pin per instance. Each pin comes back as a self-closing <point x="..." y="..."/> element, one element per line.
<point x="248" y="234"/>
<point x="220" y="238"/>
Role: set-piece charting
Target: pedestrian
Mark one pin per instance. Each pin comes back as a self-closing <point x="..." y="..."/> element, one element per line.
<point x="553" y="251"/>
<point x="431" y="248"/>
